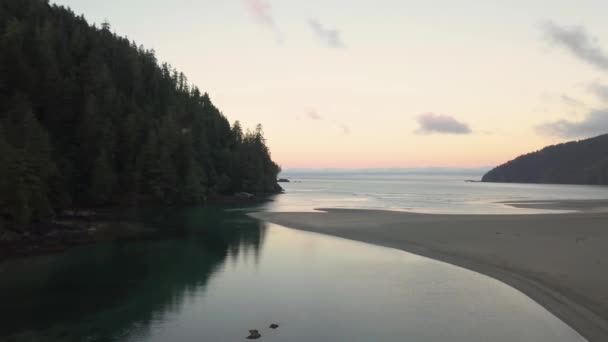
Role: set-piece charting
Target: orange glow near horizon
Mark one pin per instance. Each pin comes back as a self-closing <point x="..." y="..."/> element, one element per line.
<point x="409" y="86"/>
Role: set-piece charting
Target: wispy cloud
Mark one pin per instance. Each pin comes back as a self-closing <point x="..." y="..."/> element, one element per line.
<point x="344" y="127"/>
<point x="599" y="90"/>
<point x="437" y="123"/>
<point x="330" y="37"/>
<point x="581" y="44"/>
<point x="578" y="42"/>
<point x="594" y="123"/>
<point x="571" y="101"/>
<point x="261" y="11"/>
<point x="313" y="114"/>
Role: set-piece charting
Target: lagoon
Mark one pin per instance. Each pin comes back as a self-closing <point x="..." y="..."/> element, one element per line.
<point x="218" y="274"/>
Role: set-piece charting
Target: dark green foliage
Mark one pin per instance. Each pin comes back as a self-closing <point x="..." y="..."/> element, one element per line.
<point x="88" y="118"/>
<point x="102" y="180"/>
<point x="577" y="162"/>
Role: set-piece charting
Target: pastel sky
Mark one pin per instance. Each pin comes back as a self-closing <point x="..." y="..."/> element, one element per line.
<point x="386" y="83"/>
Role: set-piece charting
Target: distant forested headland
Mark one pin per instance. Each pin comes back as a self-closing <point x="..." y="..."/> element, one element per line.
<point x="88" y="118"/>
<point x="576" y="162"/>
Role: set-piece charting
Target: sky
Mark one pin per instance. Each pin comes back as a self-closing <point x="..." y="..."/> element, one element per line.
<point x="386" y="83"/>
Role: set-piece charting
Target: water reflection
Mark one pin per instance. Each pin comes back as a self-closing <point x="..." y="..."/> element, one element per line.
<point x="105" y="292"/>
<point x="217" y="273"/>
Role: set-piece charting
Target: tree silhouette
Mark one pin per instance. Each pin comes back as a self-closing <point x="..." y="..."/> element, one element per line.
<point x="576" y="162"/>
<point x="88" y="118"/>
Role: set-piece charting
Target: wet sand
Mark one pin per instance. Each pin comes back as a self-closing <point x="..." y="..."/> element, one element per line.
<point x="587" y="206"/>
<point x="558" y="260"/>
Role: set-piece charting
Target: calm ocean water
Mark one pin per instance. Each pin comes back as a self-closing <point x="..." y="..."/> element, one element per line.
<point x="435" y="193"/>
<point x="220" y="274"/>
<point x="216" y="273"/>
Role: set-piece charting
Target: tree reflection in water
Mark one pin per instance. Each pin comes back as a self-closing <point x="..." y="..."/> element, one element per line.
<point x="106" y="292"/>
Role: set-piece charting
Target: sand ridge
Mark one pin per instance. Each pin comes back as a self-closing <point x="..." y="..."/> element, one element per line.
<point x="559" y="260"/>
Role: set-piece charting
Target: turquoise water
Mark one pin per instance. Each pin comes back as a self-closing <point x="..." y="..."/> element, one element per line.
<point x="438" y="193"/>
<point x="216" y="273"/>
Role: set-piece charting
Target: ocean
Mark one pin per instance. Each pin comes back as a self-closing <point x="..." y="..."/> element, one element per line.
<point x="217" y="273"/>
<point x="452" y="193"/>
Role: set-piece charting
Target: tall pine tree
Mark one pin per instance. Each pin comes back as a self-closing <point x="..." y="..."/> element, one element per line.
<point x="88" y="118"/>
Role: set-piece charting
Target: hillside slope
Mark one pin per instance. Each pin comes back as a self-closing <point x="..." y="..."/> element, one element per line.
<point x="576" y="162"/>
<point x="88" y="118"/>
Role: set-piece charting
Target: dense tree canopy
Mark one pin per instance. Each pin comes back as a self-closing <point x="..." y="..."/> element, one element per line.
<point x="577" y="162"/>
<point x="88" y="118"/>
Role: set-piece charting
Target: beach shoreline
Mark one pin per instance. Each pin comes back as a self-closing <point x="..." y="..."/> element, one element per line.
<point x="580" y="206"/>
<point x="558" y="260"/>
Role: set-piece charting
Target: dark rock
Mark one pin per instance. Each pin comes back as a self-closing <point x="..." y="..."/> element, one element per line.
<point x="253" y="335"/>
<point x="283" y="180"/>
<point x="243" y="195"/>
<point x="274" y="326"/>
<point x="7" y="235"/>
<point x="77" y="213"/>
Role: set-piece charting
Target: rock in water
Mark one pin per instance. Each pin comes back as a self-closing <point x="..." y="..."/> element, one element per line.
<point x="253" y="335"/>
<point x="274" y="326"/>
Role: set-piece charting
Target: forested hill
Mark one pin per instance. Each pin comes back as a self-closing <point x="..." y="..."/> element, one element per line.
<point x="88" y="118"/>
<point x="577" y="162"/>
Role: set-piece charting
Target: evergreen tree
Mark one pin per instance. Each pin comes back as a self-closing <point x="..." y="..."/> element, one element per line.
<point x="575" y="162"/>
<point x="102" y="182"/>
<point x="6" y="160"/>
<point x="89" y="118"/>
<point x="237" y="133"/>
<point x="38" y="166"/>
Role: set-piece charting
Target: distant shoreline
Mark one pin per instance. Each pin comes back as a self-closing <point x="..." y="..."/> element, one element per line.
<point x="582" y="206"/>
<point x="558" y="260"/>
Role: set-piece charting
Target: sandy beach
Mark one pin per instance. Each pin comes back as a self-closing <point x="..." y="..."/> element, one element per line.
<point x="558" y="260"/>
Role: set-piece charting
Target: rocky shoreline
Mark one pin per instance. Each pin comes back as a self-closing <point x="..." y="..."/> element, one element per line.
<point x="66" y="231"/>
<point x="78" y="227"/>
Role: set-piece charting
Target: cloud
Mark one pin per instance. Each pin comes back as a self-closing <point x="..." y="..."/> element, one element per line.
<point x="578" y="42"/>
<point x="345" y="128"/>
<point x="599" y="90"/>
<point x="261" y="11"/>
<point x="313" y="115"/>
<point x="438" y="123"/>
<point x="330" y="37"/>
<point x="595" y="123"/>
<point x="570" y="101"/>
